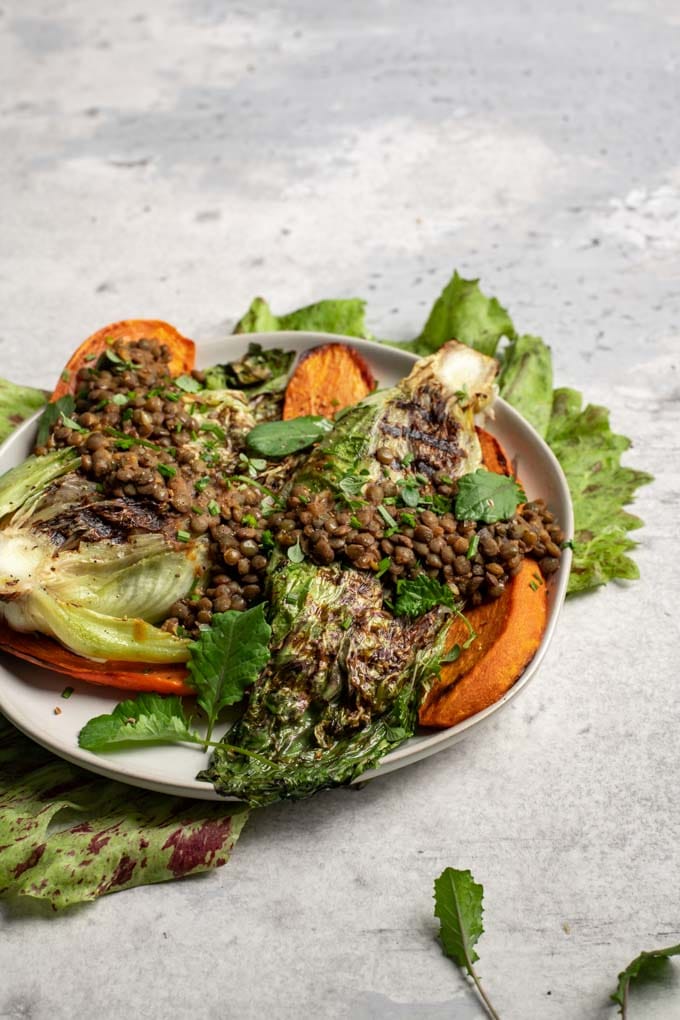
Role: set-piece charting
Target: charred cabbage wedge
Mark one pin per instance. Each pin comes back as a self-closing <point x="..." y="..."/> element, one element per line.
<point x="99" y="599"/>
<point x="346" y="675"/>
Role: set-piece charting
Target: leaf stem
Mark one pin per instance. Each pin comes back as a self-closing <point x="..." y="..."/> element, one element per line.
<point x="482" y="994"/>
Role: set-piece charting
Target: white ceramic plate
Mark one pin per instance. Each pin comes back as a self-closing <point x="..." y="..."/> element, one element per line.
<point x="29" y="695"/>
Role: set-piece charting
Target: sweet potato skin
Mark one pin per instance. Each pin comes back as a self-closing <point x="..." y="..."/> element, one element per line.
<point x="133" y="676"/>
<point x="509" y="631"/>
<point x="326" y="380"/>
<point x="183" y="350"/>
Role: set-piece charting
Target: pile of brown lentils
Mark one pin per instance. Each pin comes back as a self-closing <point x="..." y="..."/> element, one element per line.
<point x="139" y="442"/>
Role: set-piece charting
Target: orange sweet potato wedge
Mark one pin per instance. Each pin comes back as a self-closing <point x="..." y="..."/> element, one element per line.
<point x="182" y="349"/>
<point x="133" y="676"/>
<point x="509" y="631"/>
<point x="326" y="380"/>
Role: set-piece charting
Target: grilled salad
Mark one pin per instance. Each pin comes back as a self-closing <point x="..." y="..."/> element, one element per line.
<point x="380" y="554"/>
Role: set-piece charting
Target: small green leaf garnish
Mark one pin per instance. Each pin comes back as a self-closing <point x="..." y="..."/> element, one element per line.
<point x="642" y="966"/>
<point x="53" y="411"/>
<point x="150" y="718"/>
<point x="166" y="470"/>
<point x="485" y="496"/>
<point x="70" y="423"/>
<point x="422" y="593"/>
<point x="201" y="484"/>
<point x="188" y="384"/>
<point x="227" y="658"/>
<point x="214" y="428"/>
<point x="410" y="493"/>
<point x="351" y="485"/>
<point x="119" y="399"/>
<point x="407" y="459"/>
<point x="452" y="654"/>
<point x="295" y="553"/>
<point x="458" y="905"/>
<point x="280" y="438"/>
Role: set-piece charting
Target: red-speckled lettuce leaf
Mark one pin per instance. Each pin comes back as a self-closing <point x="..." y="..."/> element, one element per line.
<point x="68" y="836"/>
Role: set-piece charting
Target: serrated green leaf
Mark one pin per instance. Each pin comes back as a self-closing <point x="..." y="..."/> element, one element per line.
<point x="422" y="593"/>
<point x="590" y="455"/>
<point x="227" y="658"/>
<point x="345" y="316"/>
<point x="526" y="380"/>
<point x="462" y="312"/>
<point x="16" y="404"/>
<point x="458" y="905"/>
<point x="642" y="966"/>
<point x="150" y="718"/>
<point x="486" y="496"/>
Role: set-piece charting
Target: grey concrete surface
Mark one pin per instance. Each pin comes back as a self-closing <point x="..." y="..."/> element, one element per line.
<point x="175" y="159"/>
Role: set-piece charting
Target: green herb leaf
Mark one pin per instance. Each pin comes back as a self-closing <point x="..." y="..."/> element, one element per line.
<point x="526" y="380"/>
<point x="214" y="428"/>
<point x="643" y="966"/>
<point x="485" y="496"/>
<point x="422" y="593"/>
<point x="590" y="455"/>
<point x="166" y="470"/>
<point x="462" y="311"/>
<point x="53" y="411"/>
<point x="409" y="493"/>
<point x="150" y="718"/>
<point x="458" y="905"/>
<point x="351" y="485"/>
<point x="227" y="658"/>
<point x="335" y="316"/>
<point x="119" y="399"/>
<point x="280" y="438"/>
<point x="386" y="516"/>
<point x="71" y="424"/>
<point x="383" y="566"/>
<point x="295" y="553"/>
<point x="188" y="383"/>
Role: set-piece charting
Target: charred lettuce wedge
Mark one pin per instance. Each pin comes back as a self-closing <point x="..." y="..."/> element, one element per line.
<point x="346" y="673"/>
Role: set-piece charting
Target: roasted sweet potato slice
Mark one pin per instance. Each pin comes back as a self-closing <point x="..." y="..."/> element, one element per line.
<point x="509" y="630"/>
<point x="134" y="676"/>
<point x="183" y="350"/>
<point x="326" y="380"/>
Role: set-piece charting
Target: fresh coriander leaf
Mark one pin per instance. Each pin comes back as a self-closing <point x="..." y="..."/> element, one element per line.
<point x="295" y="553"/>
<point x="71" y="424"/>
<point x="351" y="485"/>
<point x="279" y="438"/>
<point x="642" y="966"/>
<point x="188" y="383"/>
<point x="410" y="493"/>
<point x="151" y="718"/>
<point x="407" y="459"/>
<point x="51" y="415"/>
<point x="422" y="593"/>
<point x="227" y="658"/>
<point x="458" y="905"/>
<point x="485" y="496"/>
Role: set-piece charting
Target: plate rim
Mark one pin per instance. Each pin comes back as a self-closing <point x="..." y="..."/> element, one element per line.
<point x="405" y="754"/>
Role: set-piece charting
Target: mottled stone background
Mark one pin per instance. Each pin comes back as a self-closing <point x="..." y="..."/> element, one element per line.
<point x="174" y="160"/>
